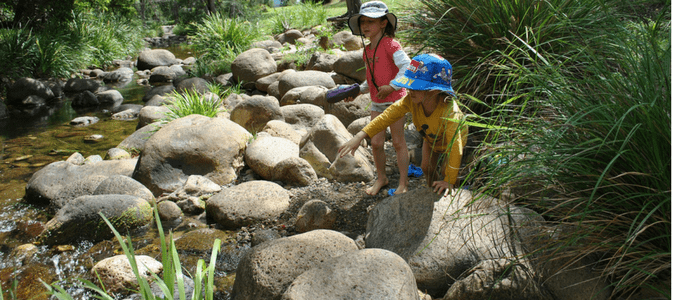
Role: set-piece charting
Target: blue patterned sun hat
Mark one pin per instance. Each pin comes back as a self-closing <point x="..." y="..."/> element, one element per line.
<point x="427" y="72"/>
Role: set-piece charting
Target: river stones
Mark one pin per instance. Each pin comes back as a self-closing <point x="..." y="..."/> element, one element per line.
<point x="24" y="87"/>
<point x="152" y="58"/>
<point x="253" y="64"/>
<point x="118" y="277"/>
<point x="254" y="113"/>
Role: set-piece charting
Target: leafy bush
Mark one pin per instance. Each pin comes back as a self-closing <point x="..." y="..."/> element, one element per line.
<point x="300" y="16"/>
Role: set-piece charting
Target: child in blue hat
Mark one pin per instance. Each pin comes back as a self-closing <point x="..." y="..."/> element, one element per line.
<point x="434" y="113"/>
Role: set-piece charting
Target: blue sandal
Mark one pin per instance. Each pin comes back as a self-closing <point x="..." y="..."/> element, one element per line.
<point x="415" y="171"/>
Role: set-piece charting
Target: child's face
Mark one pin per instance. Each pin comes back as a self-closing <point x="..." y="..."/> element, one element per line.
<point x="419" y="96"/>
<point x="372" y="28"/>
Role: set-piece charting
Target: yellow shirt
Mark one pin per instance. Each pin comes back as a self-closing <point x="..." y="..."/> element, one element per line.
<point x="436" y="129"/>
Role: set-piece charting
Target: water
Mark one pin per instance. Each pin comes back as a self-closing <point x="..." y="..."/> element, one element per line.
<point x="28" y="143"/>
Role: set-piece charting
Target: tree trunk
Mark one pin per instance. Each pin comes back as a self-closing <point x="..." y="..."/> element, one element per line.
<point x="211" y="7"/>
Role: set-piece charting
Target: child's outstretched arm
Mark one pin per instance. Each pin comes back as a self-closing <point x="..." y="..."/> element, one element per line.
<point x="352" y="144"/>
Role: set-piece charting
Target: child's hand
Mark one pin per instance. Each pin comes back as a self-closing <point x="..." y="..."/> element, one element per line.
<point x="352" y="144"/>
<point x="441" y="187"/>
<point x="384" y="91"/>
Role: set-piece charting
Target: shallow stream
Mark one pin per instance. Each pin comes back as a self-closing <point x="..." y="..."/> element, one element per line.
<point x="27" y="143"/>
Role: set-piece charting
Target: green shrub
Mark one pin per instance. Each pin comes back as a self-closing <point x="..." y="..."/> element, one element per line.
<point x="190" y="102"/>
<point x="300" y="16"/>
<point x="591" y="152"/>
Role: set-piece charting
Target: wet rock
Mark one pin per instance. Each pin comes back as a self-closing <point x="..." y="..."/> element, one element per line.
<point x="162" y="74"/>
<point x="23" y="253"/>
<point x="193" y="145"/>
<point x="161" y="90"/>
<point x="201" y="240"/>
<point x="122" y="74"/>
<point x="267" y="270"/>
<point x="191" y="205"/>
<point x="169" y="211"/>
<point x="79" y="218"/>
<point x="123" y="185"/>
<point x="255" y="112"/>
<point x="53" y="181"/>
<point x="79" y="85"/>
<point x="117" y="153"/>
<point x="24" y="87"/>
<point x="28" y="281"/>
<point x="94" y="138"/>
<point x="247" y="203"/>
<point x="117" y="275"/>
<point x="84" y="121"/>
<point x="33" y="101"/>
<point x="110" y="97"/>
<point x="315" y="214"/>
<point x="85" y="99"/>
<point x="359" y="275"/>
<point x="125" y="115"/>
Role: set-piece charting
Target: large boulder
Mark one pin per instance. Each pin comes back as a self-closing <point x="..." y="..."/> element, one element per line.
<point x="358" y="275"/>
<point x="78" y="85"/>
<point x="348" y="112"/>
<point x="253" y="64"/>
<point x="351" y="65"/>
<point x="320" y="148"/>
<point x="192" y="145"/>
<point x="24" y="87"/>
<point x="79" y="219"/>
<point x="265" y="152"/>
<point x="443" y="239"/>
<point x="149" y="59"/>
<point x="302" y="116"/>
<point x="123" y="74"/>
<point x="304" y="78"/>
<point x="284" y="130"/>
<point x="109" y="97"/>
<point x="62" y="179"/>
<point x="136" y="141"/>
<point x="196" y="84"/>
<point x="124" y="185"/>
<point x="247" y="203"/>
<point x="322" y="62"/>
<point x="254" y="113"/>
<point x="161" y="90"/>
<point x="268" y="269"/>
<point x="151" y="114"/>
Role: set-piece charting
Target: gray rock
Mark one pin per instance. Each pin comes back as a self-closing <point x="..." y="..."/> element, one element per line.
<point x="348" y="112"/>
<point x="193" y="145"/>
<point x="253" y="64"/>
<point x="306" y="94"/>
<point x="198" y="185"/>
<point x="151" y="114"/>
<point x="84" y="121"/>
<point x="269" y="45"/>
<point x="136" y="141"/>
<point x="158" y="100"/>
<point x="162" y="74"/>
<point x="315" y="214"/>
<point x="116" y="154"/>
<point x="254" y="113"/>
<point x="169" y="211"/>
<point x="125" y="115"/>
<point x="358" y="275"/>
<point x="284" y="130"/>
<point x="117" y="275"/>
<point x="24" y="87"/>
<point x="123" y="185"/>
<point x="262" y="83"/>
<point x="290" y="36"/>
<point x="302" y="116"/>
<point x="322" y="62"/>
<point x="79" y="219"/>
<point x="150" y="59"/>
<point x="50" y="182"/>
<point x="268" y="269"/>
<point x="110" y="97"/>
<point x="304" y="78"/>
<point x="294" y="171"/>
<point x="263" y="235"/>
<point x="191" y="205"/>
<point x="351" y="65"/>
<point x="320" y="148"/>
<point x="78" y="85"/>
<point x="85" y="99"/>
<point x="160" y="90"/>
<point x="247" y="203"/>
<point x="265" y="152"/>
<point x="192" y="84"/>
<point x="348" y="40"/>
<point x="122" y="74"/>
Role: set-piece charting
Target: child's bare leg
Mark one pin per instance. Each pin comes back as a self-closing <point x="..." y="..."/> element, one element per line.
<point x="402" y="158"/>
<point x="426" y="166"/>
<point x="377" y="143"/>
<point x="380" y="159"/>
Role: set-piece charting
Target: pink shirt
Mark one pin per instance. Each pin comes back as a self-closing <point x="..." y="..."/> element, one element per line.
<point x="385" y="68"/>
